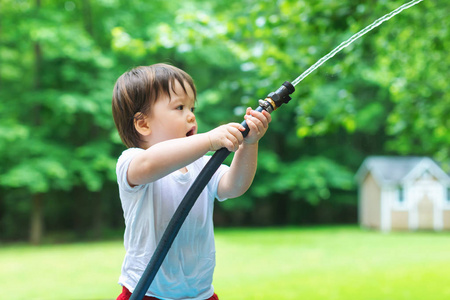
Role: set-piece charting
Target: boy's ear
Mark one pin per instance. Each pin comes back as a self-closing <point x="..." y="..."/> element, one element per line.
<point x="141" y="124"/>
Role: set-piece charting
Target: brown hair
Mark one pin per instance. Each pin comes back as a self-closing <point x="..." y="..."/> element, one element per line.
<point x="137" y="90"/>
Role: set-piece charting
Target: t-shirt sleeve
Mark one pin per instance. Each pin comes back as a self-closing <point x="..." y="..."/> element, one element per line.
<point x="213" y="184"/>
<point x="122" y="168"/>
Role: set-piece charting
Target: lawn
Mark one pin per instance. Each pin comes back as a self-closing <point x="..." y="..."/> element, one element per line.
<point x="291" y="263"/>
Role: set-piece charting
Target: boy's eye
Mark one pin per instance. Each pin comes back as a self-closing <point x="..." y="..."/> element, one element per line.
<point x="193" y="109"/>
<point x="180" y="107"/>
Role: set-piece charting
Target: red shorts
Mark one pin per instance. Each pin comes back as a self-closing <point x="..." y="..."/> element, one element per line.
<point x="126" y="294"/>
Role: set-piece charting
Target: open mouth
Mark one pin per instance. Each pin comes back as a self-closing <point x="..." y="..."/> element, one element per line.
<point x="191" y="132"/>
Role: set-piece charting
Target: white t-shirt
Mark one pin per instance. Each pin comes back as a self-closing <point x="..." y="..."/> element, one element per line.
<point x="187" y="270"/>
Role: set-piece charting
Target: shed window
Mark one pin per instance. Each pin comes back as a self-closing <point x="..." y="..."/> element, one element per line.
<point x="401" y="194"/>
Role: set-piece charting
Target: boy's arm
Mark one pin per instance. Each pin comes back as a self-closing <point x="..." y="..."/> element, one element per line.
<point x="238" y="179"/>
<point x="166" y="157"/>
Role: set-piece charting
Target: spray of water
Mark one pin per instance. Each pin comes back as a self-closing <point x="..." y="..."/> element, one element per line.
<point x="353" y="38"/>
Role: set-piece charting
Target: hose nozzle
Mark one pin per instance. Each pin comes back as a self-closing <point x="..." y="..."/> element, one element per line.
<point x="277" y="98"/>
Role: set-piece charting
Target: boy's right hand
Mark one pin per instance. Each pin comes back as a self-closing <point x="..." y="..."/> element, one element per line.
<point x="226" y="136"/>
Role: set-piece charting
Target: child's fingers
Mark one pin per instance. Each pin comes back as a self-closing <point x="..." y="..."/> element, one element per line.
<point x="234" y="137"/>
<point x="228" y="136"/>
<point x="237" y="131"/>
<point x="231" y="145"/>
<point x="268" y="116"/>
<point x="263" y="116"/>
<point x="258" y="119"/>
<point x="255" y="126"/>
<point x="258" y="123"/>
<point x="237" y="137"/>
<point x="237" y="126"/>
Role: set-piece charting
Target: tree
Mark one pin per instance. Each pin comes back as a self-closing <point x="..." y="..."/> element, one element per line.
<point x="385" y="94"/>
<point x="55" y="124"/>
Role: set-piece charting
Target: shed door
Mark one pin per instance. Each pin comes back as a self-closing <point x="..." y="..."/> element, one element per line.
<point x="425" y="213"/>
<point x="426" y="209"/>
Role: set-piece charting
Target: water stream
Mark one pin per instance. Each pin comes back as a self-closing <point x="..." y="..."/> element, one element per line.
<point x="354" y="38"/>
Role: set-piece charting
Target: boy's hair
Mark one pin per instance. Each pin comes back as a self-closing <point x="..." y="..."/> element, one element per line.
<point x="137" y="90"/>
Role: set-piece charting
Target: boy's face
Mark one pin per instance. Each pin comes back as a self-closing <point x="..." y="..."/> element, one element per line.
<point x="173" y="118"/>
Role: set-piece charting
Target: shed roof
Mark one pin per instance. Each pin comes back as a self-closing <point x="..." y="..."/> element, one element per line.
<point x="395" y="169"/>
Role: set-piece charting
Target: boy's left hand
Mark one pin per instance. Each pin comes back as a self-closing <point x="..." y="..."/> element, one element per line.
<point x="258" y="122"/>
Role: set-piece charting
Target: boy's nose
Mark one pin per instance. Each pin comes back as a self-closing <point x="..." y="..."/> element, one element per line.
<point x="191" y="117"/>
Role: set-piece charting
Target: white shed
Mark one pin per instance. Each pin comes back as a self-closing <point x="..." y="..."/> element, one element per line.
<point x="403" y="193"/>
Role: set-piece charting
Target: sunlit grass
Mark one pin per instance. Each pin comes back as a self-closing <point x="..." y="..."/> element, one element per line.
<point x="72" y="271"/>
<point x="293" y="263"/>
<point x="332" y="263"/>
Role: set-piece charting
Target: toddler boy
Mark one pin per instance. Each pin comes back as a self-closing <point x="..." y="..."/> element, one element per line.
<point x="154" y="112"/>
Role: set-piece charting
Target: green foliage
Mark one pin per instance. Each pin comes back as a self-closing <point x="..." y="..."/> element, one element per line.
<point x="58" y="113"/>
<point x="386" y="93"/>
<point x="309" y="178"/>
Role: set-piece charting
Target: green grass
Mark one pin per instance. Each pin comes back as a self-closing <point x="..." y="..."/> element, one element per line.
<point x="294" y="263"/>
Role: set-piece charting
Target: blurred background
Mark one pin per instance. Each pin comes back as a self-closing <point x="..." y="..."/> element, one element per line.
<point x="295" y="233"/>
<point x="386" y="94"/>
